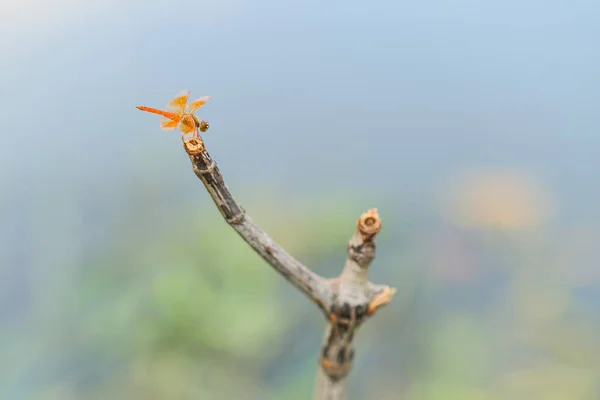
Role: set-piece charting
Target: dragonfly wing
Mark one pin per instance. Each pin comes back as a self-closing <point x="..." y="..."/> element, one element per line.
<point x="168" y="123"/>
<point x="179" y="101"/>
<point x="187" y="125"/>
<point x="196" y="104"/>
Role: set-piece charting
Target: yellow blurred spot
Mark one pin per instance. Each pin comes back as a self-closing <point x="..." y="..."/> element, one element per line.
<point x="497" y="199"/>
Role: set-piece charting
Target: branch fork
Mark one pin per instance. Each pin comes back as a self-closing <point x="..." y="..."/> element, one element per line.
<point x="346" y="301"/>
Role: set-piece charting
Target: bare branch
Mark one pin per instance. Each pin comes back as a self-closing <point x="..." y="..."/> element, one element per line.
<point x="347" y="301"/>
<point x="205" y="168"/>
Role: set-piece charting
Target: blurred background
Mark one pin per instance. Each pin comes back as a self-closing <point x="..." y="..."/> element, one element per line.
<point x="472" y="126"/>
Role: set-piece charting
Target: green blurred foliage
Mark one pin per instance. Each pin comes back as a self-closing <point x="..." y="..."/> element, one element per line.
<point x="167" y="302"/>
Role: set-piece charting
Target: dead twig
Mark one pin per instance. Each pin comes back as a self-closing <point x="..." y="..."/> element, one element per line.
<point x="347" y="301"/>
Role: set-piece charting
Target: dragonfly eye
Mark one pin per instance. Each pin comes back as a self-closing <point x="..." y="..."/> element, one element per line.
<point x="203" y="126"/>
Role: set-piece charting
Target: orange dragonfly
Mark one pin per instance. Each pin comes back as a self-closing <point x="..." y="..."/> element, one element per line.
<point x="179" y="112"/>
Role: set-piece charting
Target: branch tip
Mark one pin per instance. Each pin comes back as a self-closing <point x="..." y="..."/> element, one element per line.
<point x="194" y="146"/>
<point x="369" y="224"/>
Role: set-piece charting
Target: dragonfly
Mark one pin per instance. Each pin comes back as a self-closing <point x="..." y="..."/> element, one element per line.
<point x="179" y="112"/>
